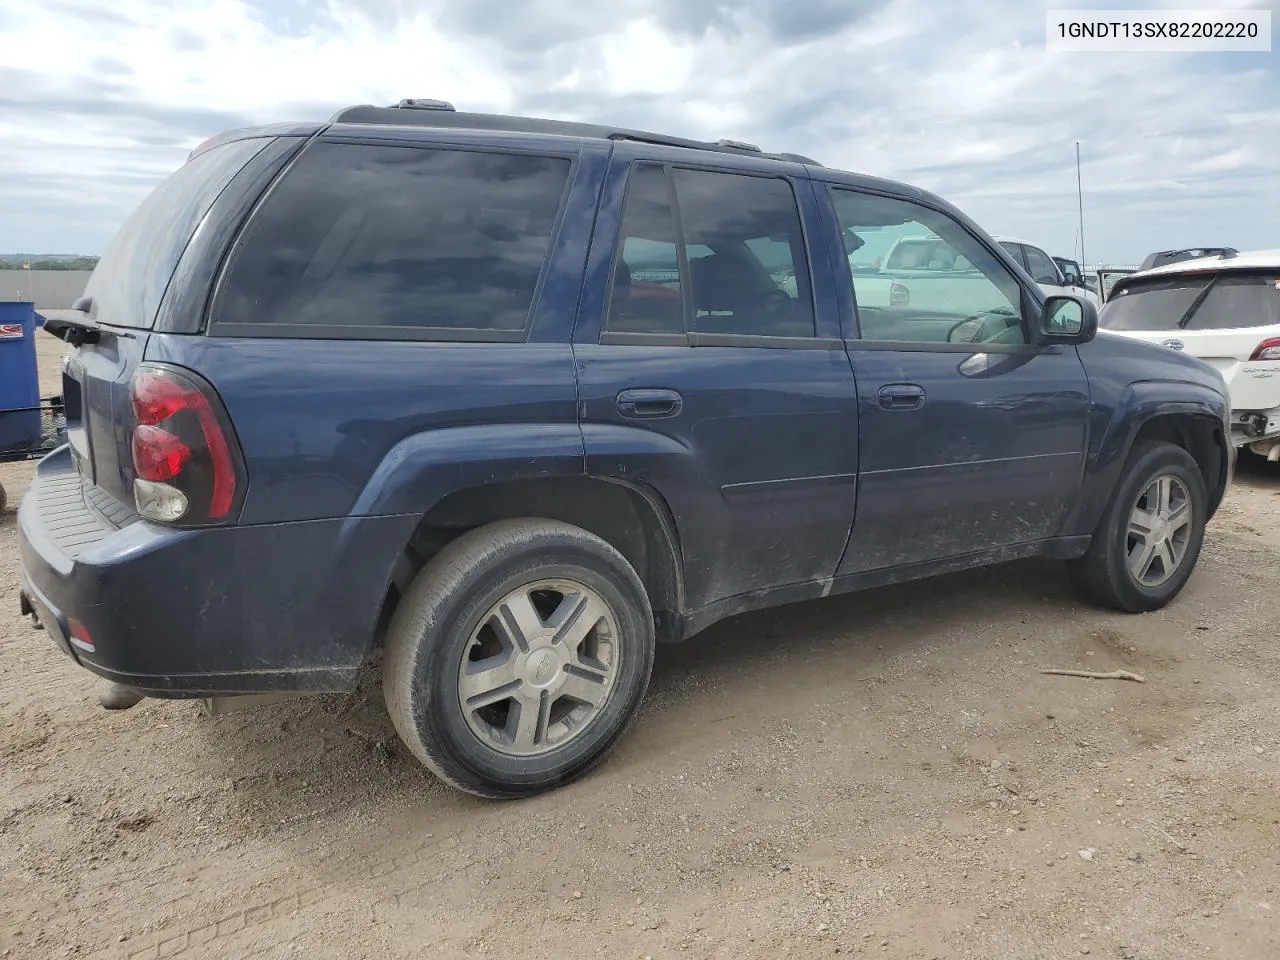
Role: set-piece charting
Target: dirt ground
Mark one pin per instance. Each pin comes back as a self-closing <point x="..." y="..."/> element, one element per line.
<point x="883" y="775"/>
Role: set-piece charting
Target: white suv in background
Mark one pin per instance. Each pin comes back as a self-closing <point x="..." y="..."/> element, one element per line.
<point x="1043" y="270"/>
<point x="1224" y="310"/>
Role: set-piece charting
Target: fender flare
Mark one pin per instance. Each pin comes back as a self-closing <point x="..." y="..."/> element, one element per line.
<point x="422" y="469"/>
<point x="1137" y="405"/>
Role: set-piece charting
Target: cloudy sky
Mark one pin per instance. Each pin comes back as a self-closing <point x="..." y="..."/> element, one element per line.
<point x="100" y="100"/>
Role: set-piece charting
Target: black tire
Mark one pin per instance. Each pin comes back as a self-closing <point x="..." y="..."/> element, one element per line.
<point x="1103" y="573"/>
<point x="432" y="631"/>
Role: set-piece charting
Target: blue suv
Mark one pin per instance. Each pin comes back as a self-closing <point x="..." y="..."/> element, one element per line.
<point x="498" y="403"/>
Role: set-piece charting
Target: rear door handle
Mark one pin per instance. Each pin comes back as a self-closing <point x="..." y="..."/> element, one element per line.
<point x="649" y="404"/>
<point x="901" y="396"/>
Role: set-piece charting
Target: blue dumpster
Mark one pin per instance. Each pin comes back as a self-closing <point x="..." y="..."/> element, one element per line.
<point x="19" y="377"/>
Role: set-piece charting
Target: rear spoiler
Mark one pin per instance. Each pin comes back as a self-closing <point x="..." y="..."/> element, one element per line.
<point x="252" y="133"/>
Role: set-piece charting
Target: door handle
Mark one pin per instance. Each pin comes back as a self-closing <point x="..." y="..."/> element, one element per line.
<point x="649" y="404"/>
<point x="901" y="396"/>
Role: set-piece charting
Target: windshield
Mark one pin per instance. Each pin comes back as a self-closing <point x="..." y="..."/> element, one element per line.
<point x="134" y="272"/>
<point x="1223" y="302"/>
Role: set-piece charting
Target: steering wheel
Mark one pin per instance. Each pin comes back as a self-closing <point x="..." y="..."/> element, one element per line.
<point x="972" y="327"/>
<point x="981" y="327"/>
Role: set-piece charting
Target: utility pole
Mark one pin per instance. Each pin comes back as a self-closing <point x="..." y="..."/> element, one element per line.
<point x="1080" y="204"/>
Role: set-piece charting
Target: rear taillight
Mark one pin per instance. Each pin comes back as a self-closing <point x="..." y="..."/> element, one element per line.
<point x="1267" y="350"/>
<point x="899" y="295"/>
<point x="184" y="455"/>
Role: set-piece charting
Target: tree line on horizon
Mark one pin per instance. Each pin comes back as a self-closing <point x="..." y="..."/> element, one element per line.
<point x="50" y="263"/>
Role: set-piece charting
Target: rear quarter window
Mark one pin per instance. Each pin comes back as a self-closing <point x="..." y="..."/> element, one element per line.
<point x="386" y="241"/>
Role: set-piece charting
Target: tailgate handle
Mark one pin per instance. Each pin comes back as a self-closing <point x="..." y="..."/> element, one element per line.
<point x="649" y="404"/>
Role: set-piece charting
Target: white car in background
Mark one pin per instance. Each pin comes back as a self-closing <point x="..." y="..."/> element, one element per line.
<point x="1224" y="310"/>
<point x="1044" y="271"/>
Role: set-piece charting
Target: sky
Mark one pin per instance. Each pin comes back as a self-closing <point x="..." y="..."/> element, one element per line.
<point x="99" y="101"/>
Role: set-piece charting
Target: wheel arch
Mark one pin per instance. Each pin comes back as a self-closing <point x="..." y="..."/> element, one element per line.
<point x="1184" y="414"/>
<point x="631" y="518"/>
<point x="1202" y="436"/>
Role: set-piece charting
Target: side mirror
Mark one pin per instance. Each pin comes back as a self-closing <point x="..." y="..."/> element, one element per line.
<point x="1068" y="319"/>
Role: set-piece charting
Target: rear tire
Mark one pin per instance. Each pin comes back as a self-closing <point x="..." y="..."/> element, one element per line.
<point x="518" y="657"/>
<point x="1146" y="545"/>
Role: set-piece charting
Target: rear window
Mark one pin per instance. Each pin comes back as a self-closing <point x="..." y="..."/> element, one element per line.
<point x="375" y="240"/>
<point x="1231" y="301"/>
<point x="928" y="254"/>
<point x="131" y="277"/>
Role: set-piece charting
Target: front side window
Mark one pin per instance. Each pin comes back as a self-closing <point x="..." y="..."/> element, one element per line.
<point x="920" y="277"/>
<point x="1225" y="302"/>
<point x="394" y="237"/>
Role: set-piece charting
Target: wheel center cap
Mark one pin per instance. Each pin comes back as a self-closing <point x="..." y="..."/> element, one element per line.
<point x="542" y="667"/>
<point x="1159" y="530"/>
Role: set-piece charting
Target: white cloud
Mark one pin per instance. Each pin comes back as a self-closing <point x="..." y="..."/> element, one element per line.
<point x="98" y="101"/>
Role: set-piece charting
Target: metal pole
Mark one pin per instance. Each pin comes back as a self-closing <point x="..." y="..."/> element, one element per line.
<point x="1080" y="203"/>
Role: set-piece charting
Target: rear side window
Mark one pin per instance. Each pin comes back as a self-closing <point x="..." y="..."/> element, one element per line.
<point x="1041" y="267"/>
<point x="747" y="267"/>
<point x="1226" y="302"/>
<point x="646" y="295"/>
<point x="1014" y="250"/>
<point x="733" y="262"/>
<point x="131" y="277"/>
<point x="377" y="240"/>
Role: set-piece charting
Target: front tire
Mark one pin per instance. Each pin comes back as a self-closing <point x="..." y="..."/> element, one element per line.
<point x="1147" y="543"/>
<point x="518" y="657"/>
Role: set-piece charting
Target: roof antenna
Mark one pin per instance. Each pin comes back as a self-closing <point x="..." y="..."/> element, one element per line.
<point x="1080" y="203"/>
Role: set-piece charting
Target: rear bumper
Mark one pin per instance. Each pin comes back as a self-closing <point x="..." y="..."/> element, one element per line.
<point x="191" y="613"/>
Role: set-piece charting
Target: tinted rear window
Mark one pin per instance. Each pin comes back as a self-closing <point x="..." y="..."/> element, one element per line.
<point x="363" y="237"/>
<point x="134" y="272"/>
<point x="1226" y="302"/>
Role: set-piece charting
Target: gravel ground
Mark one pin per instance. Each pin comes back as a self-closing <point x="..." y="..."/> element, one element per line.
<point x="886" y="774"/>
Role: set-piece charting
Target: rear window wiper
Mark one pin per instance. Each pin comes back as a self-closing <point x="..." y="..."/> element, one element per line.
<point x="75" y="327"/>
<point x="1195" y="304"/>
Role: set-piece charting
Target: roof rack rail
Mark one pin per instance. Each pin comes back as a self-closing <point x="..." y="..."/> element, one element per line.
<point x="1228" y="253"/>
<point x="438" y="113"/>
